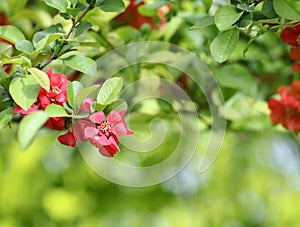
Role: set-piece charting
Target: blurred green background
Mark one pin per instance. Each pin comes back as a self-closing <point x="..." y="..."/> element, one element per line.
<point x="253" y="182"/>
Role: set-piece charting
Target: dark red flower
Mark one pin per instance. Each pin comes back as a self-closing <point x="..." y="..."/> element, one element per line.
<point x="103" y="134"/>
<point x="67" y="139"/>
<point x="132" y="17"/>
<point x="56" y="95"/>
<point x="287" y="110"/>
<point x="291" y="35"/>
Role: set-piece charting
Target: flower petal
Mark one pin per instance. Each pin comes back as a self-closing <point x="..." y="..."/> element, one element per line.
<point x="90" y="132"/>
<point x="289" y="35"/>
<point x="97" y="117"/>
<point x="119" y="129"/>
<point x="114" y="117"/>
<point x="67" y="139"/>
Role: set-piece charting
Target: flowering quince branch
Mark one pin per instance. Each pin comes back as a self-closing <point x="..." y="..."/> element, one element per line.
<point x="48" y="98"/>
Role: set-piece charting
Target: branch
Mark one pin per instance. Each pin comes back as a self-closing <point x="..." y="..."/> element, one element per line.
<point x="75" y="22"/>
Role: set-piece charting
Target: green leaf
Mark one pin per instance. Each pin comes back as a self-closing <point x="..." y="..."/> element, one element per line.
<point x="109" y="91"/>
<point x="41" y="44"/>
<point x="237" y="77"/>
<point x="112" y="6"/>
<point x="81" y="63"/>
<point x="54" y="110"/>
<point x="268" y="9"/>
<point x="28" y="127"/>
<point x="24" y="46"/>
<point x="226" y="16"/>
<point x="204" y="22"/>
<point x="207" y="4"/>
<point x="81" y="28"/>
<point x="150" y="10"/>
<point x="11" y="34"/>
<point x="60" y="5"/>
<point x="288" y="9"/>
<point x="77" y="86"/>
<point x="6" y="116"/>
<point x="223" y="45"/>
<point x="86" y="92"/>
<point x="70" y="94"/>
<point x="41" y="77"/>
<point x="24" y="91"/>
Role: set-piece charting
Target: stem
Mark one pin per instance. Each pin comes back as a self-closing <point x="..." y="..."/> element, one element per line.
<point x="75" y="22"/>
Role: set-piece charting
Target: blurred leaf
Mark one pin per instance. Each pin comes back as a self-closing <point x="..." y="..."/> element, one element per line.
<point x="226" y="16"/>
<point x="112" y="6"/>
<point x="268" y="9"/>
<point x="28" y="127"/>
<point x="288" y="9"/>
<point x="237" y="77"/>
<point x="207" y="4"/>
<point x="54" y="110"/>
<point x="110" y="90"/>
<point x="223" y="45"/>
<point x="24" y="46"/>
<point x="77" y="86"/>
<point x="81" y="63"/>
<point x="86" y="92"/>
<point x="81" y="28"/>
<point x="70" y="94"/>
<point x="24" y="91"/>
<point x="204" y="22"/>
<point x="11" y="34"/>
<point x="73" y="11"/>
<point x="6" y="116"/>
<point x="41" y="77"/>
<point x="150" y="10"/>
<point x="60" y="5"/>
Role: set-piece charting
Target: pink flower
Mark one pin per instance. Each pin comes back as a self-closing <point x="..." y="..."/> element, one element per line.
<point x="67" y="139"/>
<point x="103" y="134"/>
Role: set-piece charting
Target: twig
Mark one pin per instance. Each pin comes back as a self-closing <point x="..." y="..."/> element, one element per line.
<point x="75" y="22"/>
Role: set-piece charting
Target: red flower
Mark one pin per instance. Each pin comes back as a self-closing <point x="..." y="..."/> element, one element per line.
<point x="79" y="124"/>
<point x="67" y="139"/>
<point x="132" y="17"/>
<point x="291" y="35"/>
<point x="103" y="134"/>
<point x="287" y="110"/>
<point x="56" y="95"/>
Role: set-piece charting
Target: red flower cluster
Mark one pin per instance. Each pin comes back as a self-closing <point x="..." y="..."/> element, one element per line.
<point x="287" y="110"/>
<point x="132" y="17"/>
<point x="102" y="133"/>
<point x="56" y="95"/>
<point x="291" y="36"/>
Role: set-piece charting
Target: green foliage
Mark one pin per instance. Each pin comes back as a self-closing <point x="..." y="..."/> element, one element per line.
<point x="41" y="77"/>
<point x="109" y="91"/>
<point x="11" y="33"/>
<point x="54" y="110"/>
<point x="112" y="5"/>
<point x="24" y="91"/>
<point x="60" y="5"/>
<point x="81" y="63"/>
<point x="226" y="16"/>
<point x="29" y="126"/>
<point x="288" y="9"/>
<point x="223" y="45"/>
<point x="5" y="117"/>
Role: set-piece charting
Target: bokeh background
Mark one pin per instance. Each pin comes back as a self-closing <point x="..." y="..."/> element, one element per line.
<point x="254" y="181"/>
